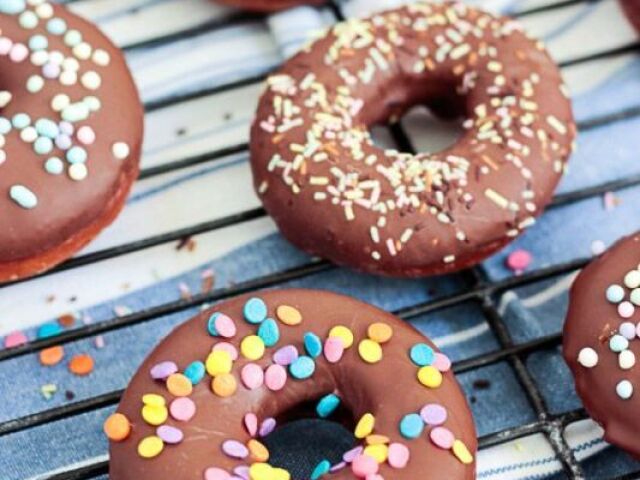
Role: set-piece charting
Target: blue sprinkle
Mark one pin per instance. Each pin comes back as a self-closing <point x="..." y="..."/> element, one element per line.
<point x="302" y="368"/>
<point x="43" y="145"/>
<point x="422" y="354"/>
<point x="56" y="26"/>
<point x="23" y="196"/>
<point x="269" y="332"/>
<point x="28" y="20"/>
<point x="5" y="126"/>
<point x="21" y="120"/>
<point x="47" y="128"/>
<point x="255" y="310"/>
<point x="618" y="343"/>
<point x="211" y="324"/>
<point x="49" y="330"/>
<point x="54" y="166"/>
<point x="195" y="372"/>
<point x="411" y="426"/>
<point x="76" y="155"/>
<point x="321" y="469"/>
<point x="38" y="42"/>
<point x="615" y="293"/>
<point x="312" y="344"/>
<point x="327" y="405"/>
<point x="12" y="7"/>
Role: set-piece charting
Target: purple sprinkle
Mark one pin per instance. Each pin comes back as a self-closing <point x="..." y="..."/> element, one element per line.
<point x="242" y="471"/>
<point x="235" y="449"/>
<point x="51" y="70"/>
<point x="434" y="414"/>
<point x="627" y="330"/>
<point x="285" y="356"/>
<point x="268" y="426"/>
<point x="169" y="434"/>
<point x="66" y="128"/>
<point x="337" y="467"/>
<point x="162" y="370"/>
<point x="63" y="142"/>
<point x="352" y="454"/>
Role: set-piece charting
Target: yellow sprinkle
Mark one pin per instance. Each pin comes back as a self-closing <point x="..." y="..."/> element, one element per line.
<point x="461" y="451"/>
<point x="154" y="415"/>
<point x="378" y="452"/>
<point x="261" y="471"/>
<point x="377" y="439"/>
<point x="365" y="426"/>
<point x="219" y="362"/>
<point x="280" y="474"/>
<point x="252" y="347"/>
<point x="150" y="447"/>
<point x="259" y="453"/>
<point x="344" y="333"/>
<point x="153" y="400"/>
<point x="224" y="385"/>
<point x="289" y="315"/>
<point x="430" y="377"/>
<point x="370" y="351"/>
<point x="380" y="332"/>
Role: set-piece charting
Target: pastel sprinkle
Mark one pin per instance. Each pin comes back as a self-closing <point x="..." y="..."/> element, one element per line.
<point x="626" y="309"/>
<point x="302" y="368"/>
<point x="422" y="354"/>
<point x="321" y="469"/>
<point x="442" y="437"/>
<point x="398" y="455"/>
<point x="269" y="332"/>
<point x="251" y="424"/>
<point x="162" y="370"/>
<point x="267" y="427"/>
<point x="218" y="362"/>
<point x="327" y="405"/>
<point x="289" y="315"/>
<point x="120" y="150"/>
<point x="411" y="426"/>
<point x="519" y="260"/>
<point x="462" y="453"/>
<point x="275" y="377"/>
<point x="169" y="434"/>
<point x="379" y="452"/>
<point x="195" y="372"/>
<point x="343" y="333"/>
<point x="224" y="385"/>
<point x="434" y="414"/>
<point x="333" y="349"/>
<point x="226" y="347"/>
<point x="182" y="409"/>
<point x="214" y="473"/>
<point x="350" y="455"/>
<point x="624" y="389"/>
<point x="365" y="426"/>
<point x="252" y="347"/>
<point x="15" y="339"/>
<point x="442" y="362"/>
<point x="150" y="447"/>
<point x="370" y="351"/>
<point x="155" y="414"/>
<point x="23" y="197"/>
<point x="255" y="310"/>
<point x="615" y="293"/>
<point x="117" y="427"/>
<point x="430" y="377"/>
<point x="618" y="343"/>
<point x="380" y="332"/>
<point x="286" y="355"/>
<point x="221" y="325"/>
<point x="364" y="465"/>
<point x="252" y="376"/>
<point x="588" y="357"/>
<point x="48" y="330"/>
<point x="235" y="449"/>
<point x="312" y="344"/>
<point x="179" y="385"/>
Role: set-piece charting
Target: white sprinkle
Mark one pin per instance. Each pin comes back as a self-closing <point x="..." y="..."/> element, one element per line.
<point x="588" y="357"/>
<point x="556" y="124"/>
<point x="496" y="198"/>
<point x="78" y="172"/>
<point x="120" y="150"/>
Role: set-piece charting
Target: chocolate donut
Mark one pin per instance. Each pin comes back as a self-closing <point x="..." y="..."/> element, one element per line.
<point x="70" y="135"/>
<point x="600" y="341"/>
<point x="632" y="10"/>
<point x="221" y="382"/>
<point x="335" y="194"/>
<point x="269" y="5"/>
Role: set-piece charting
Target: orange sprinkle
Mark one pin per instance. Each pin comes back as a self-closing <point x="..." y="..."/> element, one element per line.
<point x="117" y="427"/>
<point x="375" y="439"/>
<point x="224" y="385"/>
<point x="67" y="320"/>
<point x="380" y="332"/>
<point x="259" y="453"/>
<point x="81" y="364"/>
<point x="52" y="355"/>
<point x="179" y="385"/>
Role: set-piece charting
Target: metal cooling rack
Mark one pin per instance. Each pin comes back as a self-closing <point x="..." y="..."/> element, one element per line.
<point x="479" y="290"/>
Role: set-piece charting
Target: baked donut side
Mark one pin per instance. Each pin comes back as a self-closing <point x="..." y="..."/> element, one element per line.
<point x="600" y="342"/>
<point x="269" y="5"/>
<point x="335" y="194"/>
<point x="71" y="125"/>
<point x="367" y="360"/>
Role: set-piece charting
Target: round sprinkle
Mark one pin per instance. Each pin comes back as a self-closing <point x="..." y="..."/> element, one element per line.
<point x="289" y="315"/>
<point x="29" y="135"/>
<point x="286" y="355"/>
<point x="632" y="279"/>
<point x="49" y="330"/>
<point x="227" y="347"/>
<point x="162" y="370"/>
<point x="635" y="296"/>
<point x="275" y="377"/>
<point x="442" y="437"/>
<point x="153" y="400"/>
<point x="179" y="385"/>
<point x="302" y="368"/>
<point x="76" y="155"/>
<point x="252" y="347"/>
<point x="117" y="427"/>
<point x="150" y="447"/>
<point x="216" y="474"/>
<point x="257" y="451"/>
<point x="255" y="310"/>
<point x="35" y="83"/>
<point x="380" y="332"/>
<point x="434" y="414"/>
<point x="72" y="38"/>
<point x="252" y="376"/>
<point x="618" y="343"/>
<point x="101" y="57"/>
<point x="375" y="439"/>
<point x="169" y="434"/>
<point x="56" y="26"/>
<point x="221" y="325"/>
<point x="370" y="351"/>
<point x="430" y="377"/>
<point x="626" y="359"/>
<point x="60" y="102"/>
<point x="43" y="145"/>
<point x="235" y="449"/>
<point x="267" y="427"/>
<point x="627" y="330"/>
<point x="626" y="309"/>
<point x="81" y="365"/>
<point x="519" y="260"/>
<point x="327" y="405"/>
<point x="615" y="293"/>
<point x="312" y="344"/>
<point x="624" y="389"/>
<point x="269" y="332"/>
<point x="411" y="426"/>
<point x="321" y="469"/>
<point x="12" y="7"/>
<point x="86" y="135"/>
<point x="422" y="354"/>
<point x="155" y="415"/>
<point x="182" y="409"/>
<point x="461" y="452"/>
<point x="442" y="362"/>
<point x="363" y="466"/>
<point x="333" y="349"/>
<point x="365" y="426"/>
<point x="379" y="452"/>
<point x="195" y="372"/>
<point x="78" y="172"/>
<point x="398" y="455"/>
<point x="52" y="355"/>
<point x="344" y="334"/>
<point x="91" y="80"/>
<point x="218" y="362"/>
<point x="588" y="357"/>
<point x="120" y="150"/>
<point x="224" y="385"/>
<point x="21" y="120"/>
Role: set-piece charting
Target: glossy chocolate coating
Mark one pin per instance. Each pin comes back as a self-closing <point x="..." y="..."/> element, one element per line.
<point x="269" y="5"/>
<point x="388" y="389"/>
<point x="418" y="214"/>
<point x="69" y="213"/>
<point x="591" y="321"/>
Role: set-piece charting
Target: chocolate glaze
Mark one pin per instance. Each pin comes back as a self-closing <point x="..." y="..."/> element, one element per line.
<point x="269" y="5"/>
<point x="69" y="213"/>
<point x="591" y="320"/>
<point x="389" y="390"/>
<point x="451" y="223"/>
<point x="632" y="9"/>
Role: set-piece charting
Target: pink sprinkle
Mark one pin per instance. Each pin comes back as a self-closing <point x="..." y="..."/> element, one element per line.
<point x="162" y="370"/>
<point x="235" y="449"/>
<point x="227" y="347"/>
<point x="352" y="454"/>
<point x="86" y="135"/>
<point x="398" y="455"/>
<point x="374" y="476"/>
<point x="434" y="414"/>
<point x="333" y="349"/>
<point x="275" y="377"/>
<point x="626" y="309"/>
<point x="337" y="467"/>
<point x="216" y="474"/>
<point x="67" y="128"/>
<point x="51" y="70"/>
<point x="5" y="45"/>
<point x="63" y="142"/>
<point x="442" y="437"/>
<point x="268" y="426"/>
<point x="364" y="465"/>
<point x="169" y="434"/>
<point x="182" y="409"/>
<point x="442" y="362"/>
<point x="285" y="356"/>
<point x="251" y="423"/>
<point x="18" y="53"/>
<point x="242" y="472"/>
<point x="225" y="326"/>
<point x="519" y="260"/>
<point x="15" y="339"/>
<point x="99" y="341"/>
<point x="252" y="376"/>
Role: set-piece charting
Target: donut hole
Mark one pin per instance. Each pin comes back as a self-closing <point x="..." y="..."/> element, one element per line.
<point x="430" y="132"/>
